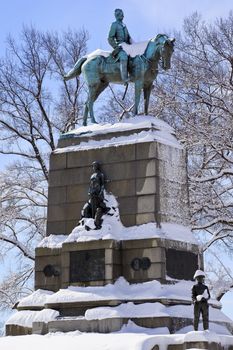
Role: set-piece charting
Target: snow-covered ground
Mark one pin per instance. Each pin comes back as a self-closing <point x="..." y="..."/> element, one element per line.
<point x="130" y="337"/>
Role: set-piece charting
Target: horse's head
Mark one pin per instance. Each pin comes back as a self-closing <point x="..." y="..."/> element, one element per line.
<point x="161" y="47"/>
<point x="166" y="51"/>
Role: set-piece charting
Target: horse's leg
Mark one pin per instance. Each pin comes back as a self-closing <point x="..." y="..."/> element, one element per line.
<point x="101" y="88"/>
<point x="147" y="91"/>
<point x="91" y="99"/>
<point x="85" y="113"/>
<point x="94" y="92"/>
<point x="138" y="88"/>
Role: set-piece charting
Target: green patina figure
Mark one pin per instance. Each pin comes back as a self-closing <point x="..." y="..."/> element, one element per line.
<point x="119" y="34"/>
<point x="99" y="70"/>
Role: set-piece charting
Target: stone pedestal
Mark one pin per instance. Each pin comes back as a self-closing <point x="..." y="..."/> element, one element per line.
<point x="148" y="178"/>
<point x="146" y="173"/>
<point x="100" y="262"/>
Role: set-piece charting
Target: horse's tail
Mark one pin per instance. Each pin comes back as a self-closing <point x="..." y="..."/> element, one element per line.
<point x="76" y="70"/>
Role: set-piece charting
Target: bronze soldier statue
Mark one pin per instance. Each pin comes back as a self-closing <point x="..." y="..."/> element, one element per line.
<point x="119" y="34"/>
<point x="200" y="297"/>
<point x="95" y="207"/>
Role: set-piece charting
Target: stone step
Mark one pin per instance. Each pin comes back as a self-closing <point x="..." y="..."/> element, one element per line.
<point x="194" y="346"/>
<point x="69" y="324"/>
<point x="108" y="325"/>
<point x="79" y="308"/>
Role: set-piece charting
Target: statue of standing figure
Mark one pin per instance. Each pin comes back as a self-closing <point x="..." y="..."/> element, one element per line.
<point x="119" y="34"/>
<point x="95" y="207"/>
<point x="200" y="297"/>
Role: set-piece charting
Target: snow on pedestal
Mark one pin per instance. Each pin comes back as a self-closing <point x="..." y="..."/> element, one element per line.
<point x="120" y="290"/>
<point x="27" y="317"/>
<point x="123" y="291"/>
<point x="156" y="130"/>
<point x="130" y="337"/>
<point x="112" y="228"/>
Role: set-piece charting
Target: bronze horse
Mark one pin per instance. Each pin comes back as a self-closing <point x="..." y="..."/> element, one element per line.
<point x="99" y="71"/>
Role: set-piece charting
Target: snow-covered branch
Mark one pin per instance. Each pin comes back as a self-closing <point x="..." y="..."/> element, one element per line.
<point x="23" y="248"/>
<point x="223" y="172"/>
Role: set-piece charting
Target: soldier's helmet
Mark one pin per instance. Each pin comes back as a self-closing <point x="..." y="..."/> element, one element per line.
<point x="199" y="273"/>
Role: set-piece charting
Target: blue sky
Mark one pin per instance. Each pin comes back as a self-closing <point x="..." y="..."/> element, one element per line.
<point x="144" y="19"/>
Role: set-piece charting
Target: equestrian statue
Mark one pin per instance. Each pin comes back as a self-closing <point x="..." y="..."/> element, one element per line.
<point x="138" y="65"/>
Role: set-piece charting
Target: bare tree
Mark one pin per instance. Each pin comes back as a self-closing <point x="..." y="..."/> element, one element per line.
<point x="36" y="105"/>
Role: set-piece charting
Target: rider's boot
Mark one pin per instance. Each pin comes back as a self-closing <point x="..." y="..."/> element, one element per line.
<point x="124" y="72"/>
